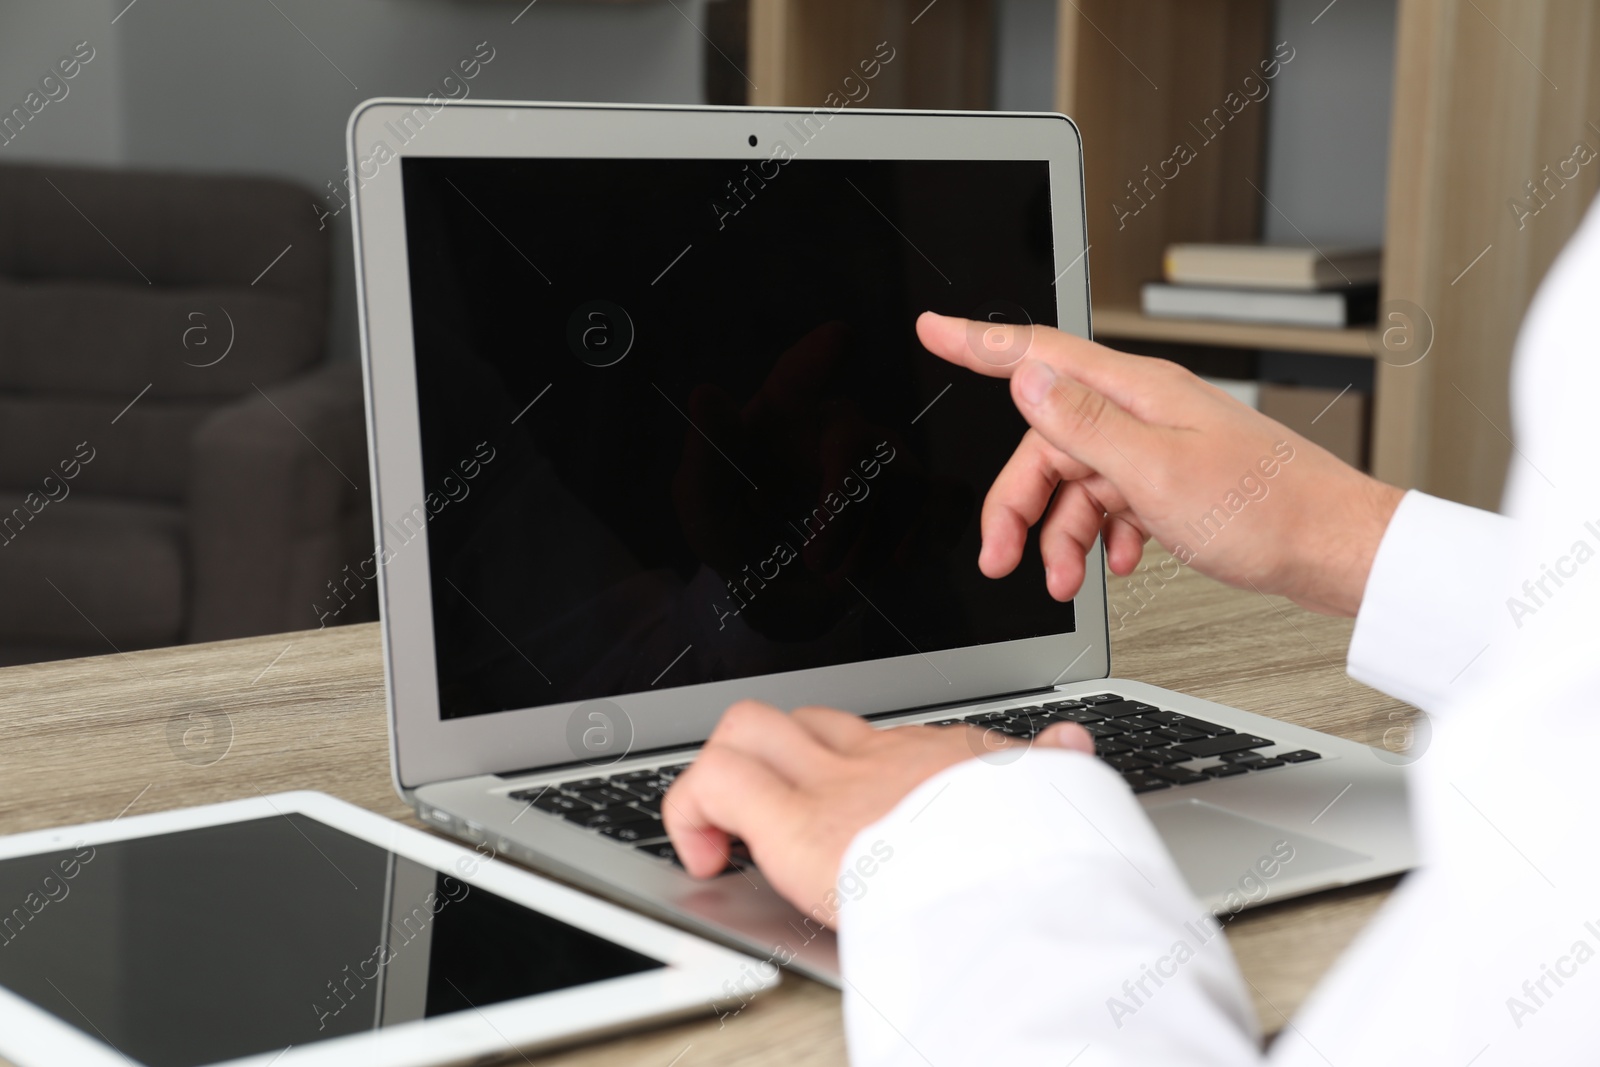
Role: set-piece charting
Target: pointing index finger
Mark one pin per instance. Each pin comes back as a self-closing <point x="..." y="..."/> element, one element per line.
<point x="1125" y="380"/>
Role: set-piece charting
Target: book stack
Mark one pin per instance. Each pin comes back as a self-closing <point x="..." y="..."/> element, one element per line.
<point x="1277" y="285"/>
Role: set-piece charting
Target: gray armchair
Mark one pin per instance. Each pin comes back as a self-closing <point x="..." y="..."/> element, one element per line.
<point x="177" y="462"/>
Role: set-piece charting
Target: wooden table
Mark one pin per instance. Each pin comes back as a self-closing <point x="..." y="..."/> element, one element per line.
<point x="146" y="731"/>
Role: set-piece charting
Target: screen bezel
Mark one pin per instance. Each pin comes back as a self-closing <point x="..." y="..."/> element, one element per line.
<point x="693" y="978"/>
<point x="426" y="748"/>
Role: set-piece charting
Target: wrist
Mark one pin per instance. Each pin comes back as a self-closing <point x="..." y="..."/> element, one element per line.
<point x="1338" y="577"/>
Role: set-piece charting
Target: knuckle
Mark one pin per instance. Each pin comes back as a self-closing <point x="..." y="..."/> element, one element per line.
<point x="713" y="762"/>
<point x="1082" y="410"/>
<point x="1170" y="369"/>
<point x="738" y="717"/>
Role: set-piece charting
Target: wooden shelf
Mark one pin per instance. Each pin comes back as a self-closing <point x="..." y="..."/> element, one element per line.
<point x="1114" y="322"/>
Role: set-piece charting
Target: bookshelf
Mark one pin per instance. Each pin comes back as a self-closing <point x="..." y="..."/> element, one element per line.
<point x="1487" y="93"/>
<point x="1129" y="323"/>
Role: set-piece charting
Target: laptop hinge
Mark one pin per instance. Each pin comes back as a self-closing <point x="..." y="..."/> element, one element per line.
<point x="919" y="709"/>
<point x="922" y="709"/>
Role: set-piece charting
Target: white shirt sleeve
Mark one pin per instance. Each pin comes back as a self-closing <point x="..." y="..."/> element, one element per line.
<point x="1028" y="913"/>
<point x="1431" y="600"/>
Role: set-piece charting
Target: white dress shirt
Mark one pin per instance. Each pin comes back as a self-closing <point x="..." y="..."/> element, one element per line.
<point x="1029" y="913"/>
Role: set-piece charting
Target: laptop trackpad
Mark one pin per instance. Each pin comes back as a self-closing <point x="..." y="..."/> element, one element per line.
<point x="1217" y="850"/>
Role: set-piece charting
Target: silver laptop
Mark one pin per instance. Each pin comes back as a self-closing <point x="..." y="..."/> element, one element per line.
<point x="651" y="432"/>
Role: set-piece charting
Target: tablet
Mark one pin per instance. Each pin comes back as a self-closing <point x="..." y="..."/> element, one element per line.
<point x="297" y="929"/>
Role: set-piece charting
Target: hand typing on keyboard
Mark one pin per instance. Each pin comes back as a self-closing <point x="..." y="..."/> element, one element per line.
<point x="797" y="788"/>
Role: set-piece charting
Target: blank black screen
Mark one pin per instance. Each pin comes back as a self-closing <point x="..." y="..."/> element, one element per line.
<point x="677" y="426"/>
<point x="206" y="945"/>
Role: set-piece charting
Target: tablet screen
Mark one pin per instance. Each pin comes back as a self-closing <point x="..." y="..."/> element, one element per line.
<point x="205" y="945"/>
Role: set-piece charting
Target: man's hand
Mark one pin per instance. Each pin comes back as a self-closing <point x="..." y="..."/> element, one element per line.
<point x="798" y="787"/>
<point x="1129" y="448"/>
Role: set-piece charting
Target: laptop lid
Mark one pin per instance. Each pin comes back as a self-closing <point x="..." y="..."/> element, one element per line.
<point x="651" y="430"/>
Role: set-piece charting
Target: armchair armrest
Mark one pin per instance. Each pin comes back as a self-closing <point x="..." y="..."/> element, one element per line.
<point x="279" y="506"/>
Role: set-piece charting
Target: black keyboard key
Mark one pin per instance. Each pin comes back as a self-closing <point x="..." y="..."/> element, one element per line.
<point x="633" y="832"/>
<point x="661" y="850"/>
<point x="1110" y="747"/>
<point x="1185" y="722"/>
<point x="1302" y="755"/>
<point x="1162" y="755"/>
<point x="1101" y="698"/>
<point x="1217" y="746"/>
<point x="988" y="716"/>
<point x="1062" y="705"/>
<point x="1078" y="715"/>
<point x="1176" y="775"/>
<point x="1128" y="762"/>
<point x="1109" y="728"/>
<point x="1259" y="764"/>
<point x="561" y="804"/>
<point x="604" y="797"/>
<point x="582" y="784"/>
<point x="944" y="722"/>
<point x="1139" y="722"/>
<point x="1126" y="707"/>
<point x="672" y="771"/>
<point x="1144" y="783"/>
<point x="653" y="783"/>
<point x="639" y="791"/>
<point x="738" y="860"/>
<point x="1225" y="770"/>
<point x="1144" y="739"/>
<point x="1210" y="729"/>
<point x="595" y="820"/>
<point x="1180" y="733"/>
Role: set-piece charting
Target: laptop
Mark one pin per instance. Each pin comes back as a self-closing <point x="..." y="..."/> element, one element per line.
<point x="651" y="432"/>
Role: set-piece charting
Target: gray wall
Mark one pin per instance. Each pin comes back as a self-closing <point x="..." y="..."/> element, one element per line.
<point x="1328" y="123"/>
<point x="1025" y="60"/>
<point x="231" y="85"/>
<point x="83" y="126"/>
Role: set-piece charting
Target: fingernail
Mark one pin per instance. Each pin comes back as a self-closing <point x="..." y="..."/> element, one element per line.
<point x="1034" y="380"/>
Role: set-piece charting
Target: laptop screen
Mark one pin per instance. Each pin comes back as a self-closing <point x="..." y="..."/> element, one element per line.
<point x="677" y="427"/>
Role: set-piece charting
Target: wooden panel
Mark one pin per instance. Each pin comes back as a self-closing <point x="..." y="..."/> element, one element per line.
<point x="1112" y="322"/>
<point x="1487" y="95"/>
<point x="1141" y="79"/>
<point x="802" y="50"/>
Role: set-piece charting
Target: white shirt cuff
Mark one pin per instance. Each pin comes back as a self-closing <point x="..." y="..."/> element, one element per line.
<point x="1428" y="609"/>
<point x="1018" y="913"/>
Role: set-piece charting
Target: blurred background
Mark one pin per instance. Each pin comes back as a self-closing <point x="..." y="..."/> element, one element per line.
<point x="182" y="450"/>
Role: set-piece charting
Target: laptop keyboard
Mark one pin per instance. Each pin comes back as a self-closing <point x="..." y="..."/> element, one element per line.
<point x="1152" y="749"/>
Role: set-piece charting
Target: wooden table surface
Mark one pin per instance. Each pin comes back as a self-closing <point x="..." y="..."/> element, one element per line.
<point x="146" y="731"/>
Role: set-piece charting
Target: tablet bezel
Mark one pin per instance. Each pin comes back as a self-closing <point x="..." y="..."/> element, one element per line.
<point x="697" y="975"/>
<point x="426" y="748"/>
